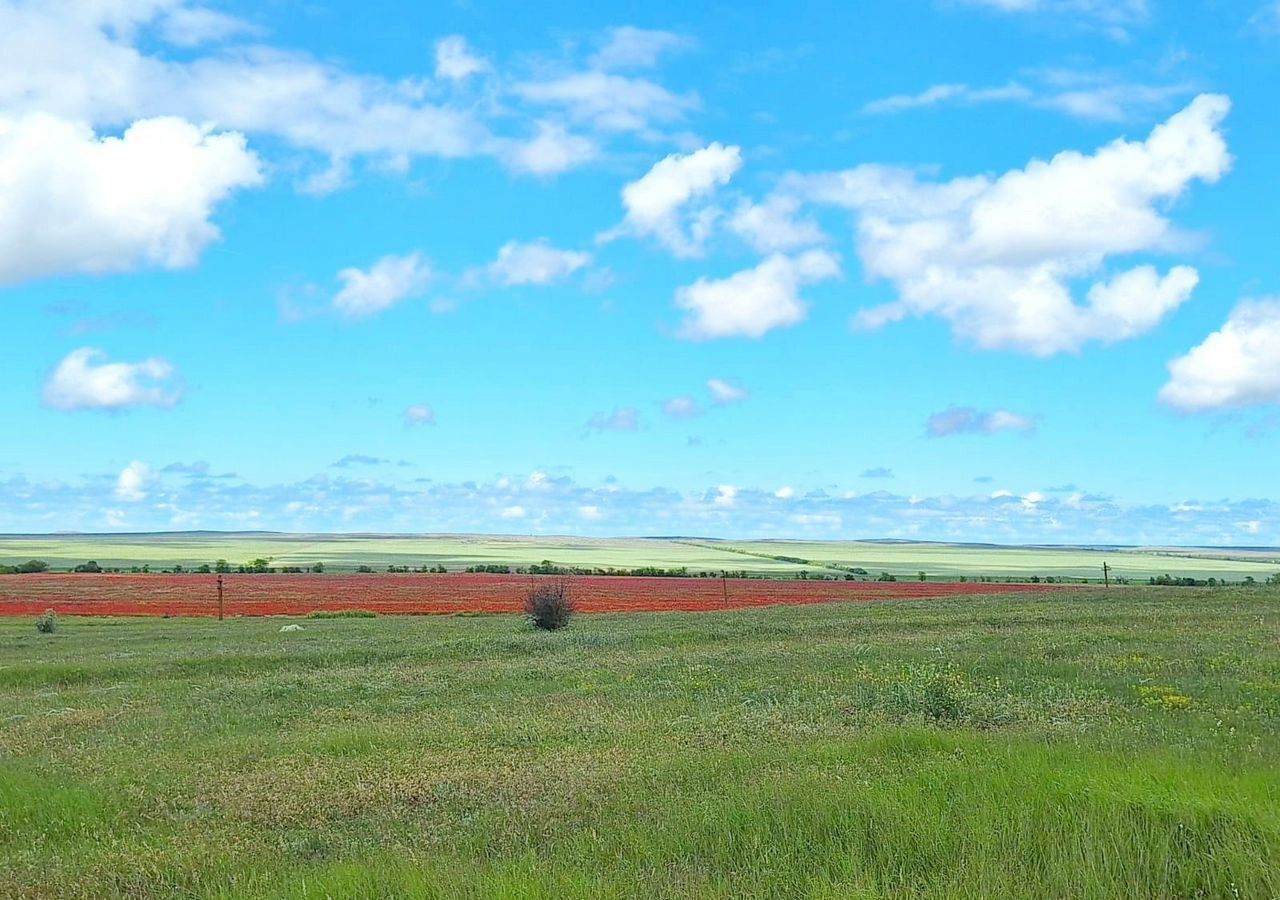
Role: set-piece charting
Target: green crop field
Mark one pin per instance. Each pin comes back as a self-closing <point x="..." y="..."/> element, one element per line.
<point x="346" y="552"/>
<point x="953" y="560"/>
<point x="1096" y="744"/>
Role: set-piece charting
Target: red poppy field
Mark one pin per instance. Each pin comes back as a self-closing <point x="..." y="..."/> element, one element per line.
<point x="267" y="595"/>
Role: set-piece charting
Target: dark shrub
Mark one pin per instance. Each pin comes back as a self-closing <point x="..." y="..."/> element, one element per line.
<point x="549" y="605"/>
<point x="47" y="623"/>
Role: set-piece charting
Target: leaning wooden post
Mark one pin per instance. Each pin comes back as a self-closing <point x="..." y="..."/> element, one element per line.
<point x="724" y="585"/>
<point x="1106" y="575"/>
<point x="219" y="598"/>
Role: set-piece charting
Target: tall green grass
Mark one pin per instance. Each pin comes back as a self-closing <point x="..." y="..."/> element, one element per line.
<point x="984" y="747"/>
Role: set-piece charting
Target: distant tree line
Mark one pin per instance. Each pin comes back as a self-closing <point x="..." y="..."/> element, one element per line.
<point x="30" y="567"/>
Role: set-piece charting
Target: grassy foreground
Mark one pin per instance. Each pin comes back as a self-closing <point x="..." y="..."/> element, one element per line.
<point x="1090" y="745"/>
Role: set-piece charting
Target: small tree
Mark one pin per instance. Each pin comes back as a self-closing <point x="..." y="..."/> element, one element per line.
<point x="549" y="605"/>
<point x="47" y="623"/>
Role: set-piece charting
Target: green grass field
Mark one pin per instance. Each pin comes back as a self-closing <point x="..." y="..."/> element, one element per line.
<point x="346" y="552"/>
<point x="1097" y="744"/>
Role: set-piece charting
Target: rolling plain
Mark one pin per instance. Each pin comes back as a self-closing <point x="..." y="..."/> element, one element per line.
<point x="704" y="737"/>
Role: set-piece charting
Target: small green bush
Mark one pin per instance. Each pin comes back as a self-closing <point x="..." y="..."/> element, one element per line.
<point x="47" y="623"/>
<point x="342" y="614"/>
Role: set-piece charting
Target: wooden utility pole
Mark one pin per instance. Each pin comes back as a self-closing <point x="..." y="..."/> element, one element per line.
<point x="724" y="586"/>
<point x="219" y="598"/>
<point x="1106" y="575"/>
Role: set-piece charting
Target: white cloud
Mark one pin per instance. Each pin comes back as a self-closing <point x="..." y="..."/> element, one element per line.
<point x="931" y="96"/>
<point x="133" y="482"/>
<point x="725" y="392"/>
<point x="536" y="262"/>
<point x="626" y="418"/>
<point x="785" y="493"/>
<point x="967" y="420"/>
<point x="591" y="513"/>
<point x="772" y="226"/>
<point x="683" y="407"/>
<point x="998" y="257"/>
<point x="419" y="414"/>
<point x="1112" y="14"/>
<point x="513" y="512"/>
<point x="1237" y="365"/>
<point x="1266" y="20"/>
<point x="110" y="63"/>
<point x="191" y="26"/>
<point x="656" y="202"/>
<point x="390" y="280"/>
<point x="726" y="495"/>
<point x="1107" y="102"/>
<point x="628" y="47"/>
<point x="455" y="61"/>
<point x="1083" y="95"/>
<point x="72" y="201"/>
<point x="609" y="102"/>
<point x="336" y="502"/>
<point x="552" y="150"/>
<point x="754" y="301"/>
<point x="78" y="382"/>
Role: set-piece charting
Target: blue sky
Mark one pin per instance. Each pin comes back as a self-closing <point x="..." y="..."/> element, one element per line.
<point x="944" y="269"/>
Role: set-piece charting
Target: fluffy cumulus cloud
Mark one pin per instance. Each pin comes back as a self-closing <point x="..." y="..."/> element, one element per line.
<point x="665" y="203"/>
<point x="755" y="301"/>
<point x="1238" y="365"/>
<point x="84" y="380"/>
<point x="1000" y="258"/>
<point x="535" y="263"/>
<point x="387" y="282"/>
<point x="74" y="201"/>
<point x="134" y="482"/>
<point x="967" y="420"/>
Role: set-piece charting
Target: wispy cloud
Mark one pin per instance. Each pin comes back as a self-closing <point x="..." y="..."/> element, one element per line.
<point x="956" y="420"/>
<point x="626" y="418"/>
